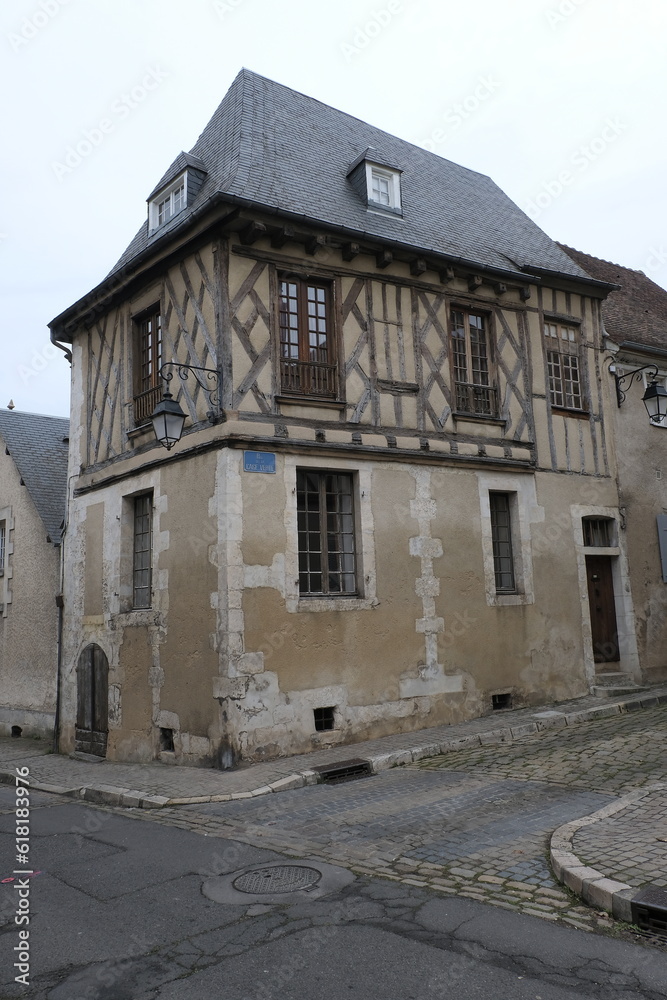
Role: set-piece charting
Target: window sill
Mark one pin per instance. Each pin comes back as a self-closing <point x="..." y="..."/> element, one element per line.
<point x="509" y="600"/>
<point x="306" y="400"/>
<point x="481" y="418"/>
<point x="318" y="604"/>
<point x="565" y="411"/>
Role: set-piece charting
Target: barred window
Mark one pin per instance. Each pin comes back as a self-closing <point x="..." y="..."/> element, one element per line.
<point x="473" y="390"/>
<point x="143" y="545"/>
<point x="501" y="536"/>
<point x="563" y="366"/>
<point x="325" y="523"/>
<point x="598" y="531"/>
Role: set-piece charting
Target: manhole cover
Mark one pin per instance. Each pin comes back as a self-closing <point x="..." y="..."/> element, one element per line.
<point x="283" y="878"/>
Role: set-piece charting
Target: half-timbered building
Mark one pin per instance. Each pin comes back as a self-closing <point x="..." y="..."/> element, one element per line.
<point x="375" y="519"/>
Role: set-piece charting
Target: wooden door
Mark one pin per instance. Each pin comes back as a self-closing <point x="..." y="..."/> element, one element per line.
<point x="603" y="609"/>
<point x="92" y="701"/>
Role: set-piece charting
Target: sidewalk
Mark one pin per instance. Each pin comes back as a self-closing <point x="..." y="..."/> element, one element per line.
<point x="603" y="857"/>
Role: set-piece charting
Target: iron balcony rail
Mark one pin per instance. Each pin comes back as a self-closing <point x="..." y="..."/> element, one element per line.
<point x="308" y="378"/>
<point x="145" y="403"/>
<point x="477" y="399"/>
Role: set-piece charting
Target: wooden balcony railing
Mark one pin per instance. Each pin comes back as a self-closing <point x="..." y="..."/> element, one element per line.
<point x="477" y="399"/>
<point x="308" y="378"/>
<point x="145" y="403"/>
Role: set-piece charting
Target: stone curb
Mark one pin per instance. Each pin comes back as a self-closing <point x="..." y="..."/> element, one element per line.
<point x="594" y="887"/>
<point x="113" y="795"/>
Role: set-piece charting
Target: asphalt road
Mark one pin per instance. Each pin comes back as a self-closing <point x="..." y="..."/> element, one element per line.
<point x="119" y="911"/>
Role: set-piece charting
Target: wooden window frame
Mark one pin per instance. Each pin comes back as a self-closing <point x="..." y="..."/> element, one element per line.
<point x="322" y="531"/>
<point x="393" y="179"/>
<point x="157" y="217"/>
<point x="502" y="540"/>
<point x="148" y="359"/>
<point x="3" y="545"/>
<point x="477" y="399"/>
<point x="302" y="375"/>
<point x="562" y="349"/>
<point x="142" y="551"/>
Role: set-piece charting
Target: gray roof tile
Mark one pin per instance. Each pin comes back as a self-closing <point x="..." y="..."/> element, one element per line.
<point x="36" y="445"/>
<point x="277" y="148"/>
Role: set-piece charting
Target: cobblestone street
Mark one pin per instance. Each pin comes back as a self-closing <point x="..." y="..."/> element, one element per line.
<point x="474" y="823"/>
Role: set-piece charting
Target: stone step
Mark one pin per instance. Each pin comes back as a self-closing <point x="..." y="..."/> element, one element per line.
<point x="612" y="684"/>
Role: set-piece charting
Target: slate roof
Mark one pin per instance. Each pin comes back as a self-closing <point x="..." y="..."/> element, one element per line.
<point x="273" y="147"/>
<point x="36" y="444"/>
<point x="637" y="312"/>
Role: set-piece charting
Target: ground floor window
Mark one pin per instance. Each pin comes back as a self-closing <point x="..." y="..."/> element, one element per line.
<point x="326" y="534"/>
<point x="501" y="536"/>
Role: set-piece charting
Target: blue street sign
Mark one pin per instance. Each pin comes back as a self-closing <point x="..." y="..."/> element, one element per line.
<point x="259" y="461"/>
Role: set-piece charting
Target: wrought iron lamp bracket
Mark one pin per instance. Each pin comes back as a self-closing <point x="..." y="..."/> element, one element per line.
<point x="207" y="378"/>
<point x="623" y="382"/>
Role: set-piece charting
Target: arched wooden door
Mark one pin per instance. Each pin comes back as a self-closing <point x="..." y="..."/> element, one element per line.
<point x="92" y="701"/>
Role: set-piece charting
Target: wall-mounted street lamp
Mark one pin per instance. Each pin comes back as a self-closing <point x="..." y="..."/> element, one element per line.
<point x="168" y="417"/>
<point x="655" y="397"/>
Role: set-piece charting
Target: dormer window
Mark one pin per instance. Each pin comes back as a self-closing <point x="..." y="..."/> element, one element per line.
<point x="377" y="183"/>
<point x="168" y="203"/>
<point x="384" y="187"/>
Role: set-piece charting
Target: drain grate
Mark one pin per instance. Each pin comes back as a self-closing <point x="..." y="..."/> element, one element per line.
<point x="282" y="878"/>
<point x="344" y="770"/>
<point x="649" y="910"/>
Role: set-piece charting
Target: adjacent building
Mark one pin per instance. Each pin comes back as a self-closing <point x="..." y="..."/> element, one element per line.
<point x="392" y="477"/>
<point x="635" y="323"/>
<point x="33" y="481"/>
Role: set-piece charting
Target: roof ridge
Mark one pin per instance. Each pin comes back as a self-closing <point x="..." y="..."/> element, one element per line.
<point x="603" y="260"/>
<point x="28" y="413"/>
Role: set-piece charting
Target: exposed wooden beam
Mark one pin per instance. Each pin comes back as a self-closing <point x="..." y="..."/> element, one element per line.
<point x="500" y="288"/>
<point x="384" y="258"/>
<point x="447" y="275"/>
<point x="315" y="243"/>
<point x="350" y="250"/>
<point x="418" y="266"/>
<point x="524" y="293"/>
<point x="282" y="236"/>
<point x="474" y="281"/>
<point x="252" y="232"/>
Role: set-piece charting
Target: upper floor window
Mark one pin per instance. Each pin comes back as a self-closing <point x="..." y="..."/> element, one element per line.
<point x="384" y="187"/>
<point x="563" y="368"/>
<point x="307" y="352"/>
<point x="168" y="203"/>
<point x="148" y="361"/>
<point x="474" y="392"/>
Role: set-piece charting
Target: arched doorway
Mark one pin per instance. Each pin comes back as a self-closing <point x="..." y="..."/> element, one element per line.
<point x="92" y="701"/>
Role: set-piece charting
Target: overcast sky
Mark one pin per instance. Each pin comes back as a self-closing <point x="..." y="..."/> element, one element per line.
<point x="561" y="102"/>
